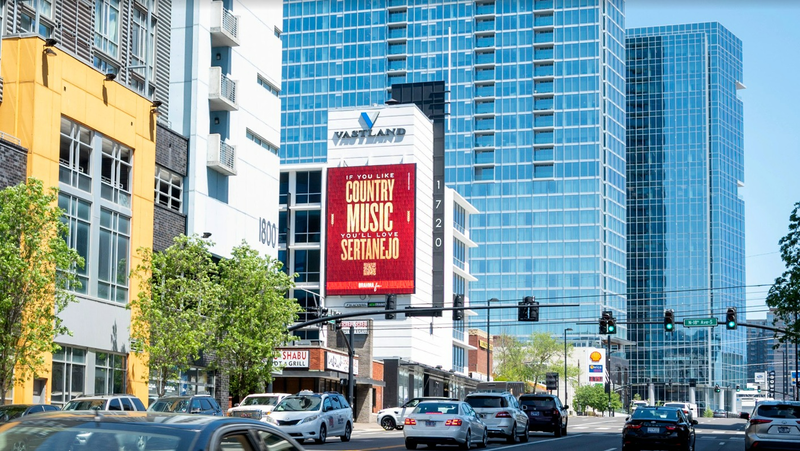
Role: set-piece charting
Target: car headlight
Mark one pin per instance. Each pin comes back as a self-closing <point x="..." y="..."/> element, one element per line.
<point x="308" y="419"/>
<point x="270" y="419"/>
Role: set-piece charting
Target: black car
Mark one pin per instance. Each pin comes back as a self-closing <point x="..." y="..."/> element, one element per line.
<point x="118" y="430"/>
<point x="198" y="404"/>
<point x="658" y="428"/>
<point x="12" y="411"/>
<point x="545" y="413"/>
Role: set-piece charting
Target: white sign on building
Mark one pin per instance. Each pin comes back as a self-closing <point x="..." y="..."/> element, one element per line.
<point x="339" y="362"/>
<point x="292" y="359"/>
<point x="359" y="327"/>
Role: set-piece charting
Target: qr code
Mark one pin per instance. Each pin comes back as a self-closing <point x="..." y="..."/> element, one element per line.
<point x="370" y="269"/>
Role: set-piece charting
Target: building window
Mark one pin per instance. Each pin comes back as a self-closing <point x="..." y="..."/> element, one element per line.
<point x="459" y="253"/>
<point x="282" y="227"/>
<point x="459" y="359"/>
<point x="283" y="190"/>
<point x="112" y="274"/>
<point x="116" y="173"/>
<point x="306" y="265"/>
<point x="106" y="26"/>
<point x="104" y="66"/>
<point x="460" y="218"/>
<point x="75" y="154"/>
<point x="542" y="171"/>
<point x="308" y="186"/>
<point x="261" y="141"/>
<point x="142" y="48"/>
<point x="190" y="382"/>
<point x="307" y="226"/>
<point x="69" y="374"/>
<point x="39" y="23"/>
<point x="109" y="373"/>
<point x="268" y="86"/>
<point x="169" y="189"/>
<point x="77" y="216"/>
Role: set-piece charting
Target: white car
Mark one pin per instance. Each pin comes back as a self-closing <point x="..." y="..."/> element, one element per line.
<point x="309" y="415"/>
<point x="256" y="406"/>
<point x="689" y="409"/>
<point x="392" y="418"/>
<point x="444" y="423"/>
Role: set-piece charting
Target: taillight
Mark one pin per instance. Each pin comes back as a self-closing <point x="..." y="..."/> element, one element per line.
<point x="671" y="428"/>
<point x="503" y="414"/>
<point x="453" y="422"/>
<point x="555" y="412"/>
<point x="760" y="421"/>
<point x="410" y="422"/>
<point x="633" y="426"/>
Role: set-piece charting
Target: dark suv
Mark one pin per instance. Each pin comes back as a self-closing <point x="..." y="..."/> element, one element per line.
<point x="545" y="413"/>
<point x="199" y="404"/>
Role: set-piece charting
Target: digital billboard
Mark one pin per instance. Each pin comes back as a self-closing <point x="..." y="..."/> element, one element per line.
<point x="370" y="230"/>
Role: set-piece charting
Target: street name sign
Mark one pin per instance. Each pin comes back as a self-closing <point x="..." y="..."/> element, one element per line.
<point x="700" y="322"/>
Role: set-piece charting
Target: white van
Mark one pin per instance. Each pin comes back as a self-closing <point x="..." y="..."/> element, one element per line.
<point x="689" y="409"/>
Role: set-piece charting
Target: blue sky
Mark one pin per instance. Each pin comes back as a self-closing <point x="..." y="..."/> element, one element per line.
<point x="770" y="41"/>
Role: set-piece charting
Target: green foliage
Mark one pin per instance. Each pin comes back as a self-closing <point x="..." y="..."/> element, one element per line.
<point x="784" y="295"/>
<point x="170" y="319"/>
<point x="531" y="360"/>
<point x="252" y="319"/>
<point x="708" y="413"/>
<point x="637" y="397"/>
<point x="594" y="397"/>
<point x="33" y="289"/>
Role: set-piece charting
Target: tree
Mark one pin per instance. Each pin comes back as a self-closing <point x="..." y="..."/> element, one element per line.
<point x="252" y="319"/>
<point x="784" y="295"/>
<point x="171" y="317"/>
<point x="595" y="397"/>
<point x="37" y="267"/>
<point x="530" y="360"/>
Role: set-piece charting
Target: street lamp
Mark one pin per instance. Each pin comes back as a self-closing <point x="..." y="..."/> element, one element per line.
<point x="489" y="340"/>
<point x="566" y="386"/>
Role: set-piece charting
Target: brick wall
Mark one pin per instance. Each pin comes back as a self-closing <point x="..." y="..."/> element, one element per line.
<point x="167" y="224"/>
<point x="13" y="164"/>
<point x="172" y="150"/>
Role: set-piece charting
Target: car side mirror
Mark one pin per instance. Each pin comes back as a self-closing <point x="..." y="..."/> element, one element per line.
<point x="566" y="406"/>
<point x="236" y="405"/>
<point x="328" y="408"/>
<point x="195" y="411"/>
<point x="744" y="416"/>
<point x="627" y="418"/>
<point x="694" y="422"/>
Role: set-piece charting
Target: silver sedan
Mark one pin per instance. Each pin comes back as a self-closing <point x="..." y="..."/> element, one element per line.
<point x="444" y="423"/>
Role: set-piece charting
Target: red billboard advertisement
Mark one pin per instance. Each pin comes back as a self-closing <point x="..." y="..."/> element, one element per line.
<point x="370" y="232"/>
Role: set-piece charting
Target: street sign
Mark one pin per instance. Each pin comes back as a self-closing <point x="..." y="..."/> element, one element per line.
<point x="700" y="322"/>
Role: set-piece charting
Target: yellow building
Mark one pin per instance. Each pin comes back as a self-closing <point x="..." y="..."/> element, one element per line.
<point x="95" y="140"/>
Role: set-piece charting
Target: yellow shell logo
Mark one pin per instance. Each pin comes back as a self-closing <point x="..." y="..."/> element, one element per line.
<point x="595" y="356"/>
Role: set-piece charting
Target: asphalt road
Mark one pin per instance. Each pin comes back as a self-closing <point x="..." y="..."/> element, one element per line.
<point x="584" y="434"/>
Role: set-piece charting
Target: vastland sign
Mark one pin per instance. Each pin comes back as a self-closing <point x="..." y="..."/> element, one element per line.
<point x="370" y="231"/>
<point x="368" y="122"/>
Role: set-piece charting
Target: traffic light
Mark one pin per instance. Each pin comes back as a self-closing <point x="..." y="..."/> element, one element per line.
<point x="730" y="318"/>
<point x="669" y="320"/>
<point x="738" y="387"/>
<point x="604" y="322"/>
<point x="522" y="311"/>
<point x="716" y="388"/>
<point x="458" y="301"/>
<point x="391" y="304"/>
<point x="533" y="310"/>
<point x="551" y="381"/>
<point x="338" y="325"/>
<point x="612" y="325"/>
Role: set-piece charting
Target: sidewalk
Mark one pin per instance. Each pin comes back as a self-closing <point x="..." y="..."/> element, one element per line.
<point x="371" y="426"/>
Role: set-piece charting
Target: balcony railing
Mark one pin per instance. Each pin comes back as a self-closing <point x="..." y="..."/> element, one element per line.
<point x="543" y="71"/>
<point x="543" y="54"/>
<point x="484" y="141"/>
<point x="484" y="58"/>
<point x="543" y="21"/>
<point x="484" y="91"/>
<point x="224" y="26"/>
<point x="221" y="155"/>
<point x="221" y="91"/>
<point x="484" y="108"/>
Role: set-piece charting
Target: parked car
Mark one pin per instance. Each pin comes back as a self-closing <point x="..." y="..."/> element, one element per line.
<point x="773" y="425"/>
<point x="11" y="411"/>
<point x="309" y="415"/>
<point x="502" y="414"/>
<point x="545" y="413"/>
<point x="81" y="430"/>
<point x="194" y="404"/>
<point x="689" y="409"/>
<point x="256" y="406"/>
<point x="393" y="417"/>
<point x="720" y="413"/>
<point x="658" y="428"/>
<point x="105" y="402"/>
<point x="444" y="423"/>
<point x="638" y="403"/>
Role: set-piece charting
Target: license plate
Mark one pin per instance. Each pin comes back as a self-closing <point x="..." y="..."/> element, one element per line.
<point x="430" y="423"/>
<point x="483" y="415"/>
<point x="653" y="430"/>
<point x="534" y="414"/>
<point x="244" y="415"/>
<point x="783" y="429"/>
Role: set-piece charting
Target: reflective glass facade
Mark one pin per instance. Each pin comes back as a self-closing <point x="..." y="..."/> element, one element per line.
<point x="685" y="215"/>
<point x="534" y="137"/>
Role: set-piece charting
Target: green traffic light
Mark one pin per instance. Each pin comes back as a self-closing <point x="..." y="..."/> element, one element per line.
<point x="731" y="324"/>
<point x="670" y="326"/>
<point x="611" y="329"/>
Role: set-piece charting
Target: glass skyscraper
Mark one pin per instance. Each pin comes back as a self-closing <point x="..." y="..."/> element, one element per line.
<point x="685" y="215"/>
<point x="534" y="137"/>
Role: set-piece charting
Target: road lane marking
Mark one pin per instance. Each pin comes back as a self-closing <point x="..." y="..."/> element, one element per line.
<point x="536" y="442"/>
<point x="402" y="445"/>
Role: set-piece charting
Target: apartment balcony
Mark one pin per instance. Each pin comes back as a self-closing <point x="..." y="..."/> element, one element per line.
<point x="397" y="34"/>
<point x="221" y="91"/>
<point x="485" y="91"/>
<point x="484" y="59"/>
<point x="543" y="70"/>
<point x="224" y="26"/>
<point x="541" y="38"/>
<point x="543" y="21"/>
<point x="484" y="141"/>
<point x="543" y="5"/>
<point x="221" y="155"/>
<point x="484" y="9"/>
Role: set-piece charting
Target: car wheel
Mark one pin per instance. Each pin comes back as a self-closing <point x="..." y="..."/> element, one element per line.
<point x="323" y="434"/>
<point x="485" y="440"/>
<point x="525" y="435"/>
<point x="467" y="441"/>
<point x="566" y="423"/>
<point x="347" y="431"/>
<point x="410" y="445"/>
<point x="559" y="431"/>
<point x="388" y="423"/>
<point x="513" y="437"/>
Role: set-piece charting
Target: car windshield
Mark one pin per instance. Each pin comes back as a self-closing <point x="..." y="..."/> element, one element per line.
<point x="679" y="405"/>
<point x="654" y="414"/>
<point x="177" y="405"/>
<point x="478" y="402"/>
<point x="89" y="404"/>
<point x="63" y="435"/>
<point x="538" y="403"/>
<point x="11" y="412"/>
<point x="449" y="408"/>
<point x="260" y="401"/>
<point x="779" y="411"/>
<point x="299" y="404"/>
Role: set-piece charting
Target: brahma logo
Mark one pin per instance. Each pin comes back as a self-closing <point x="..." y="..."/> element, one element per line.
<point x="367" y="121"/>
